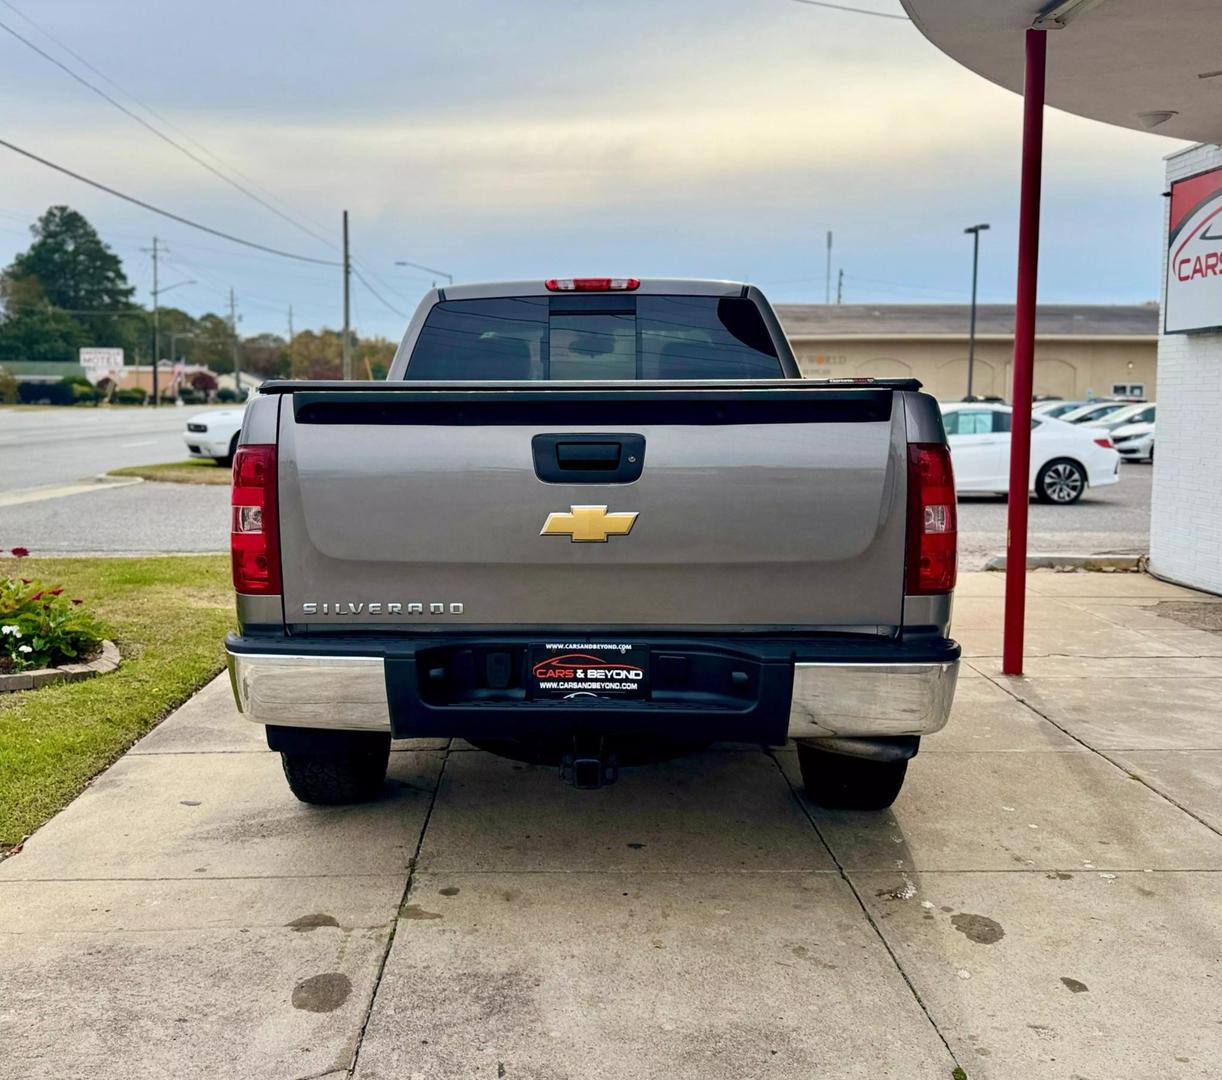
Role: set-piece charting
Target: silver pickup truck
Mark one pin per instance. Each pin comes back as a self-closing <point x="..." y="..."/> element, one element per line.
<point x="587" y="519"/>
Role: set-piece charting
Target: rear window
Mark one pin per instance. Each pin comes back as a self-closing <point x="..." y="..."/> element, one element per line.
<point x="602" y="337"/>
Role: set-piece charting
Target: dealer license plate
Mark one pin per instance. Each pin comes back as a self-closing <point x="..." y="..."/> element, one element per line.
<point x="577" y="669"/>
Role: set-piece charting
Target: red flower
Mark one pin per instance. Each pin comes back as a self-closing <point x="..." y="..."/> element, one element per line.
<point x="56" y="592"/>
<point x="21" y="553"/>
<point x="36" y="596"/>
<point x="78" y="601"/>
<point x="27" y="581"/>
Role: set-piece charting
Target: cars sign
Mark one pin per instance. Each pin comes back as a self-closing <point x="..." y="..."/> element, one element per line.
<point x="1194" y="255"/>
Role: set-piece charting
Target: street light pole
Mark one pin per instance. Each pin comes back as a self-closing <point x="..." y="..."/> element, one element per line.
<point x="975" y="230"/>
<point x="428" y="269"/>
<point x="156" y="326"/>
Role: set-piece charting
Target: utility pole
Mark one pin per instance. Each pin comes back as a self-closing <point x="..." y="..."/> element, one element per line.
<point x="975" y="231"/>
<point x="156" y="327"/>
<point x="157" y="250"/>
<point x="827" y="290"/>
<point x="233" y="327"/>
<point x="290" y="325"/>
<point x="347" y="352"/>
<point x="840" y="287"/>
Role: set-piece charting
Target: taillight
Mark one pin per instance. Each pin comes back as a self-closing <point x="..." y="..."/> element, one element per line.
<point x="932" y="528"/>
<point x="254" y="534"/>
<point x="1106" y="443"/>
<point x="592" y="284"/>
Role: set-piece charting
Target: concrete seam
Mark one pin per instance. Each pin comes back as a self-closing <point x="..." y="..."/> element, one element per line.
<point x="390" y="937"/>
<point x="865" y="911"/>
<point x="1101" y="754"/>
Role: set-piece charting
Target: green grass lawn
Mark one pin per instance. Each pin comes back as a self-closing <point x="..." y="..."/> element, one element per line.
<point x="192" y="471"/>
<point x="169" y="617"/>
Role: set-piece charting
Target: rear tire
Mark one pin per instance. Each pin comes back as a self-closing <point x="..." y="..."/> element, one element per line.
<point x="848" y="783"/>
<point x="337" y="779"/>
<point x="1062" y="481"/>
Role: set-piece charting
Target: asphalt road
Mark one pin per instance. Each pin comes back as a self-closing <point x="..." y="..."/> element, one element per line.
<point x="40" y="447"/>
<point x="1110" y="520"/>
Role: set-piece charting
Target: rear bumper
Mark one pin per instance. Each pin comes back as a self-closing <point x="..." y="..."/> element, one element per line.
<point x="812" y="689"/>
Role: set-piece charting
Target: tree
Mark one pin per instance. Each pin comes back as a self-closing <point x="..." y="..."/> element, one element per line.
<point x="31" y="329"/>
<point x="265" y="354"/>
<point x="316" y="355"/>
<point x="211" y="345"/>
<point x="76" y="270"/>
<point x="78" y="273"/>
<point x="203" y="382"/>
<point x="371" y="358"/>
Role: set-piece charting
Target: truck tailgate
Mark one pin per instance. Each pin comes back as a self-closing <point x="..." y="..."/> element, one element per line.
<point x="755" y="508"/>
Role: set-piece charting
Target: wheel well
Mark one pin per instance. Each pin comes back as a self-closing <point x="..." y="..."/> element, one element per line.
<point x="233" y="443"/>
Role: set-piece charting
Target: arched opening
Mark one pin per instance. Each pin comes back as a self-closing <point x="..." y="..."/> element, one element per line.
<point x="884" y="367"/>
<point x="952" y="379"/>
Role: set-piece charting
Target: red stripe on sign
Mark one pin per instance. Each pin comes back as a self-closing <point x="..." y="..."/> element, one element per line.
<point x="1188" y="196"/>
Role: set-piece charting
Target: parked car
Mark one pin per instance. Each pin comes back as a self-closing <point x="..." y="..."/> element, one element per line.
<point x="1135" y="442"/>
<point x="1065" y="459"/>
<point x="1096" y="410"/>
<point x="1057" y="409"/>
<point x="514" y="541"/>
<point x="1141" y="413"/>
<point x="214" y="434"/>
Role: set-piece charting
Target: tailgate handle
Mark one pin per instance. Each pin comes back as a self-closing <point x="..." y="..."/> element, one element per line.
<point x="589" y="455"/>
<point x="588" y="459"/>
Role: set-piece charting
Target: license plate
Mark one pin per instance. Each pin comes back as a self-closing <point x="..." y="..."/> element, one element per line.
<point x="577" y="669"/>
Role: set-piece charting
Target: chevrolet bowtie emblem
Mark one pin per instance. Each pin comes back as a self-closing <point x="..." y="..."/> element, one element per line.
<point x="588" y="524"/>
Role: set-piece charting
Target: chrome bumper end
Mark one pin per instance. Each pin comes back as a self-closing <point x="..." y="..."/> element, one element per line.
<point x="871" y="700"/>
<point x="342" y="693"/>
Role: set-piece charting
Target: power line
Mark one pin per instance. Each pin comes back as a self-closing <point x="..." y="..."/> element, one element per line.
<point x="854" y="10"/>
<point x="165" y="213"/>
<point x="150" y="127"/>
<point x="377" y="296"/>
<point x="164" y="119"/>
<point x="165" y="138"/>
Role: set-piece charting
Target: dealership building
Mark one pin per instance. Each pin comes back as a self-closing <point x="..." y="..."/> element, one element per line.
<point x="1149" y="67"/>
<point x="1081" y="351"/>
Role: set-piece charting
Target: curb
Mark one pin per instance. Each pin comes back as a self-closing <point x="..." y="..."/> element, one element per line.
<point x="59" y="491"/>
<point x="1105" y="564"/>
<point x="107" y="660"/>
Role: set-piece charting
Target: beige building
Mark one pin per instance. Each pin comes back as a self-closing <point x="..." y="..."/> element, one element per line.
<point x="1081" y="351"/>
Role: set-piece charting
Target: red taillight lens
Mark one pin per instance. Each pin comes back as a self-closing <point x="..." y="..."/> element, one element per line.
<point x="592" y="284"/>
<point x="254" y="534"/>
<point x="1105" y="442"/>
<point x="932" y="524"/>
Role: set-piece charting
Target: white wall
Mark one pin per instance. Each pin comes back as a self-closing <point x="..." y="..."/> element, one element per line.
<point x="1186" y="512"/>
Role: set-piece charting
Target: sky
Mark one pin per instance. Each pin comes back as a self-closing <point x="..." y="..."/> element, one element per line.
<point x="511" y="139"/>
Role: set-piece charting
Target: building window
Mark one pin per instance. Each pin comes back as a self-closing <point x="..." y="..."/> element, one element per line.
<point x="1132" y="389"/>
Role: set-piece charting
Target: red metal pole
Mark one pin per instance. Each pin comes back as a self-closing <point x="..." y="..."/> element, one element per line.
<point x="1024" y="351"/>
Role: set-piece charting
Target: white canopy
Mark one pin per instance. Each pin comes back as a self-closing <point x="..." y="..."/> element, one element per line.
<point x="1127" y="62"/>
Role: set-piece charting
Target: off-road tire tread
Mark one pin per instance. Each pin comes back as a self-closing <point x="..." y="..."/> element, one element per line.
<point x="336" y="779"/>
<point x="838" y="782"/>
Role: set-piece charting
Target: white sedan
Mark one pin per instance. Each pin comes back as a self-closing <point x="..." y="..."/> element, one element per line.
<point x="1135" y="442"/>
<point x="214" y="434"/>
<point x="1065" y="458"/>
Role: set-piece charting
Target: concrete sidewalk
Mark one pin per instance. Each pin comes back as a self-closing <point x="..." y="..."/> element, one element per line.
<point x="1045" y="898"/>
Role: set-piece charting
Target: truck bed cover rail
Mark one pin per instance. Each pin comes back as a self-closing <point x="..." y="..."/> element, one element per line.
<point x="622" y="390"/>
